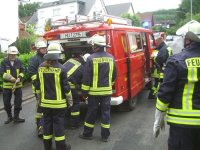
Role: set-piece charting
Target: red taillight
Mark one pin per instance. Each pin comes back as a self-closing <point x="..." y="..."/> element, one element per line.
<point x="51" y="37"/>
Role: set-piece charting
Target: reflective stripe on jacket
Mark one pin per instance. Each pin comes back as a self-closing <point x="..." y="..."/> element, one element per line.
<point x="16" y="71"/>
<point x="179" y="94"/>
<point x="74" y="70"/>
<point x="99" y="74"/>
<point x="52" y="83"/>
<point x="34" y="63"/>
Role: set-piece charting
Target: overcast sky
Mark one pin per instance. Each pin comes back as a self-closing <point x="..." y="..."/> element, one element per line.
<point x="142" y="5"/>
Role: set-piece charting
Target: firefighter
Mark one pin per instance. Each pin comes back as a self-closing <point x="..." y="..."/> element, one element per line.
<point x="160" y="56"/>
<point x="98" y="78"/>
<point x="52" y="90"/>
<point x="34" y="63"/>
<point x="74" y="69"/>
<point x="179" y="94"/>
<point x="13" y="72"/>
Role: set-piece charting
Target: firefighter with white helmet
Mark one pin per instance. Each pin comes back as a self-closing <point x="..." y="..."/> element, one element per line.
<point x="34" y="63"/>
<point x="98" y="77"/>
<point x="159" y="56"/>
<point x="53" y="91"/>
<point x="178" y="96"/>
<point x="74" y="69"/>
<point x="13" y="72"/>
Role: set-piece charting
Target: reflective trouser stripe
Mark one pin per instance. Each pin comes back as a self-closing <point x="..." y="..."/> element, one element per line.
<point x="107" y="126"/>
<point x="60" y="138"/>
<point x="47" y="137"/>
<point x="75" y="113"/>
<point x="38" y="115"/>
<point x="89" y="125"/>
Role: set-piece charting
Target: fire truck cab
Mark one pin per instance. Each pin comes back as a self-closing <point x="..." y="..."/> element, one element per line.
<point x="131" y="47"/>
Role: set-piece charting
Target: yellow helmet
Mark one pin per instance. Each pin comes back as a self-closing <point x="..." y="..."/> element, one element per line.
<point x="12" y="50"/>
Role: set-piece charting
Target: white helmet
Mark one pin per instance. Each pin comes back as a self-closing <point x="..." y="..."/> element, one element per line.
<point x="193" y="33"/>
<point x="85" y="56"/>
<point x="12" y="50"/>
<point x="41" y="44"/>
<point x="54" y="51"/>
<point x="54" y="48"/>
<point x="97" y="40"/>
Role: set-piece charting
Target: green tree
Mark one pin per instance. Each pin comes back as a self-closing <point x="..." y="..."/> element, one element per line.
<point x="134" y="18"/>
<point x="28" y="9"/>
<point x="185" y="6"/>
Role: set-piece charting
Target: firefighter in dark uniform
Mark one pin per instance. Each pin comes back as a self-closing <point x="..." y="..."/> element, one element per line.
<point x="160" y="56"/>
<point x="34" y="63"/>
<point x="13" y="72"/>
<point x="74" y="69"/>
<point x="53" y="91"/>
<point x="98" y="78"/>
<point x="179" y="95"/>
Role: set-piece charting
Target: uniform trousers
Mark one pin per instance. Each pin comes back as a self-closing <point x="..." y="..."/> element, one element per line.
<point x="93" y="104"/>
<point x="183" y="138"/>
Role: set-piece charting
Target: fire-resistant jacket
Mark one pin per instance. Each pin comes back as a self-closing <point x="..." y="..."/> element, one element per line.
<point x="34" y="63"/>
<point x="99" y="74"/>
<point x="163" y="53"/>
<point x="52" y="84"/>
<point x="74" y="70"/>
<point x="16" y="71"/>
<point x="179" y="94"/>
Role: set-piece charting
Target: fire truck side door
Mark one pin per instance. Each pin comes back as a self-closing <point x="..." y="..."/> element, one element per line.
<point x="136" y="61"/>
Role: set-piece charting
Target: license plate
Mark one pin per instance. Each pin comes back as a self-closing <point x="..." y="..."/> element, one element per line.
<point x="73" y="35"/>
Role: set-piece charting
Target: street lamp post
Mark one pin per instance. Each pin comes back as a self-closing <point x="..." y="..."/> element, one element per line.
<point x="191" y="8"/>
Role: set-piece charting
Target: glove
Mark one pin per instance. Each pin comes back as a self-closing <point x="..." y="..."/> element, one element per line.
<point x="159" y="123"/>
<point x="18" y="80"/>
<point x="12" y="79"/>
<point x="69" y="99"/>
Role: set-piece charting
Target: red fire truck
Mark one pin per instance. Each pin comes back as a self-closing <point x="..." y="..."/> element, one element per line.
<point x="131" y="47"/>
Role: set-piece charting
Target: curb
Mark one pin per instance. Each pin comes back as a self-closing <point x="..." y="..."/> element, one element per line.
<point x="23" y="100"/>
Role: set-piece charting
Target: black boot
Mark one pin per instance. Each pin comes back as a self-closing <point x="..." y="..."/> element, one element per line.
<point x="17" y="119"/>
<point x="10" y="119"/>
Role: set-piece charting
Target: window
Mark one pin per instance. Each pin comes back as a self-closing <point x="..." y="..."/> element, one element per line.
<point x="56" y="12"/>
<point x="72" y="9"/>
<point x="124" y="43"/>
<point x="135" y="42"/>
<point x="152" y="43"/>
<point x="41" y="14"/>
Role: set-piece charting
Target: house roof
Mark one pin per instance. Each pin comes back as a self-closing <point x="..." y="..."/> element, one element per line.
<point x="33" y="19"/>
<point x="147" y="16"/>
<point x="119" y="9"/>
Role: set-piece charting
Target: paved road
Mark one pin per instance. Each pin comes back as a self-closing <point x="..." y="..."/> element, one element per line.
<point x="129" y="131"/>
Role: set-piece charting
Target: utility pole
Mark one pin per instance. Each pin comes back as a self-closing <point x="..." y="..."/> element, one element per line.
<point x="191" y="8"/>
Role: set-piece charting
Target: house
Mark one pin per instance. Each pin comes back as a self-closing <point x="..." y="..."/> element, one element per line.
<point x="62" y="8"/>
<point x="119" y="9"/>
<point x="147" y="20"/>
<point x="9" y="23"/>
